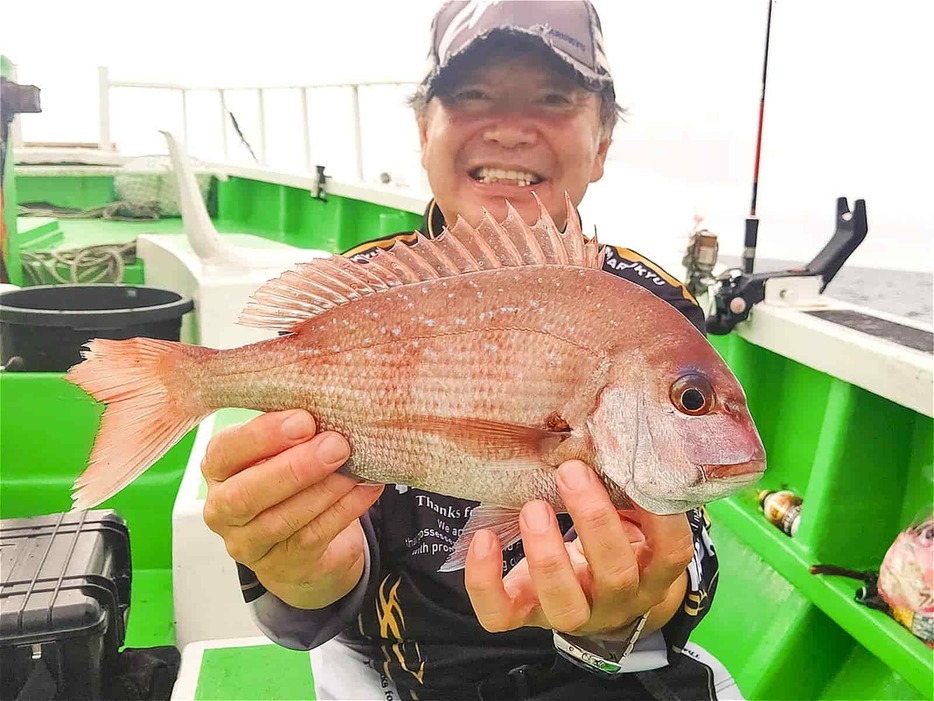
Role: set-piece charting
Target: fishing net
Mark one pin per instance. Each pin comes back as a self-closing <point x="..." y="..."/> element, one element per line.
<point x="148" y="183"/>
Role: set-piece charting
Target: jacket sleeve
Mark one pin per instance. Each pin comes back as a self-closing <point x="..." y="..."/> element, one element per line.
<point x="304" y="629"/>
<point x="704" y="568"/>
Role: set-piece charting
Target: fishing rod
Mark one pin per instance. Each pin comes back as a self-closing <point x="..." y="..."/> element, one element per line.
<point x="752" y="221"/>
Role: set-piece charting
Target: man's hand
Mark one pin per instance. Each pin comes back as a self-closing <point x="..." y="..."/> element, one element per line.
<point x="283" y="511"/>
<point x="596" y="586"/>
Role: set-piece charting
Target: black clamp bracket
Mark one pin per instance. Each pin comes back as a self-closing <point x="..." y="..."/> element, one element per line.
<point x="737" y="292"/>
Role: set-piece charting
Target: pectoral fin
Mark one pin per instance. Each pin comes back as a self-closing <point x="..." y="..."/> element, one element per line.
<point x="501" y="520"/>
<point x="500" y="445"/>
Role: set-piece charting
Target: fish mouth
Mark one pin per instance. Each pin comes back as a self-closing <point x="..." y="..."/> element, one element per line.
<point x="515" y="176"/>
<point x="748" y="471"/>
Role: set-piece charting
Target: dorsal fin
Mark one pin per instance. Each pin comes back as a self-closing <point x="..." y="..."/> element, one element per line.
<point x="318" y="286"/>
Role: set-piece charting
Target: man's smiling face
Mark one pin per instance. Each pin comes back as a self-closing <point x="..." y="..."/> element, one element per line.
<point x="506" y="127"/>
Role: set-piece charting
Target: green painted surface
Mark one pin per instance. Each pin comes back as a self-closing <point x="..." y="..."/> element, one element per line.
<point x="77" y="191"/>
<point x="864" y="469"/>
<point x="265" y="672"/>
<point x="293" y="216"/>
<point x="47" y="429"/>
<point x="38" y="232"/>
<point x="151" y="623"/>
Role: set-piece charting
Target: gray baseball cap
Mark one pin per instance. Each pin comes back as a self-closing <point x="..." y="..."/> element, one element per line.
<point x="569" y="28"/>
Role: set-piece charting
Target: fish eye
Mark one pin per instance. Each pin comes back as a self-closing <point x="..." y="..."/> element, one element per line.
<point x="692" y="395"/>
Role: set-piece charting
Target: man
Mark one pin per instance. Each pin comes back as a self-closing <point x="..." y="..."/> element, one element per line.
<point x="518" y="99"/>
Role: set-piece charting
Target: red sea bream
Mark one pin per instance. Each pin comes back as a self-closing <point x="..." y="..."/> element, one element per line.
<point x="470" y="365"/>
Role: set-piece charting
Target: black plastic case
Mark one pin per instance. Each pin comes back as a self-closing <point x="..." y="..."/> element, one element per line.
<point x="64" y="602"/>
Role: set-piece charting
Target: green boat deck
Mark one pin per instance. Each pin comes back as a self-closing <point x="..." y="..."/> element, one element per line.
<point x="863" y="466"/>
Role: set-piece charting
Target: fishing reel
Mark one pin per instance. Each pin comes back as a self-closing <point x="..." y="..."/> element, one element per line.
<point x="699" y="260"/>
<point x="738" y="290"/>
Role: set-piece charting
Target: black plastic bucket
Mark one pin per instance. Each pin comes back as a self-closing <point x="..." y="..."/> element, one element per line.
<point x="43" y="328"/>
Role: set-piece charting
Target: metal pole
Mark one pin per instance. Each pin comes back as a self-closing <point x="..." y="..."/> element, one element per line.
<point x="305" y="130"/>
<point x="224" y="122"/>
<point x="103" y="82"/>
<point x="262" y="127"/>
<point x="16" y="135"/>
<point x="358" y="138"/>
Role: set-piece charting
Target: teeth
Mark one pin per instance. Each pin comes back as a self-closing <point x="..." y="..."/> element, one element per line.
<point x="512" y="177"/>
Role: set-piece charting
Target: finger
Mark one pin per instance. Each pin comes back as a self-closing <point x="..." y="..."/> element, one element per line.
<point x="601" y="532"/>
<point x="237" y="447"/>
<point x="483" y="578"/>
<point x="315" y="537"/>
<point x="330" y="576"/>
<point x="559" y="592"/>
<point x="634" y="534"/>
<point x="280" y="522"/>
<point x="670" y="549"/>
<point x="241" y="497"/>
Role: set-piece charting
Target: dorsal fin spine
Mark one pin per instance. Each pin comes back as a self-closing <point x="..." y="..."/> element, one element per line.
<point x="316" y="287"/>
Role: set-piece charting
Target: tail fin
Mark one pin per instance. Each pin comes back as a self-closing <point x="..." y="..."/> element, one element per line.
<point x="152" y="402"/>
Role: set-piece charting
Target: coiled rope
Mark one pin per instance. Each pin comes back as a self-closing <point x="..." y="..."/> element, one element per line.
<point x="101" y="263"/>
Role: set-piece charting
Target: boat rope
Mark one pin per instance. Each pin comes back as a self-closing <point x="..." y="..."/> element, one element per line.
<point x="114" y="211"/>
<point x="103" y="263"/>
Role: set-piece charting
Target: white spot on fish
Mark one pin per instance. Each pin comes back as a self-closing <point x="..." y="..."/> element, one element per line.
<point x="460" y="322"/>
<point x="533" y="303"/>
<point x="509" y="310"/>
<point x="479" y="294"/>
<point x="429" y="322"/>
<point x="450" y="295"/>
<point x="396" y="331"/>
<point x="382" y="329"/>
<point x="336" y="348"/>
<point x="375" y="315"/>
<point x="491" y="347"/>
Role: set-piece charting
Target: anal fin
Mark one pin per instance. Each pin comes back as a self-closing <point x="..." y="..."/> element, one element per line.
<point x="501" y="520"/>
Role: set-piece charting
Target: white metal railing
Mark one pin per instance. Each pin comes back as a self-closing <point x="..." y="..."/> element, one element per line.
<point x="106" y="85"/>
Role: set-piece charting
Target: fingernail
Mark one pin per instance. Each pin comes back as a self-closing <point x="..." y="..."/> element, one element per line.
<point x="482" y="544"/>
<point x="298" y="425"/>
<point x="333" y="449"/>
<point x="575" y="475"/>
<point x="537" y="516"/>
